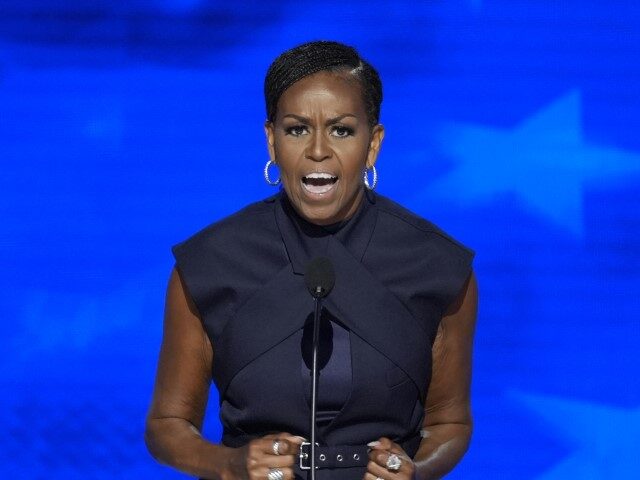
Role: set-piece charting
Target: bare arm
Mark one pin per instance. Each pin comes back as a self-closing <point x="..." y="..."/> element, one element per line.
<point x="181" y="391"/>
<point x="448" y="421"/>
<point x="180" y="398"/>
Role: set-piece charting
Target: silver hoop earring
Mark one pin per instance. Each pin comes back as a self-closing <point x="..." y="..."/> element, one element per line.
<point x="374" y="182"/>
<point x="266" y="174"/>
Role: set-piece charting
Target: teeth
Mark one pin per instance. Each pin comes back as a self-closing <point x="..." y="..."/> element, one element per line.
<point x="319" y="183"/>
<point x="320" y="175"/>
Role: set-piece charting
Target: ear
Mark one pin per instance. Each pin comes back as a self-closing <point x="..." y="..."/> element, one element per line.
<point x="270" y="134"/>
<point x="377" y="134"/>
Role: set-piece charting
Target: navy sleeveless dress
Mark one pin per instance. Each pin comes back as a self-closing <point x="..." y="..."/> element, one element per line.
<point x="396" y="273"/>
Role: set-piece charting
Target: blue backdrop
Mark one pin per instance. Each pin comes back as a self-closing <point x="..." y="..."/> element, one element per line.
<point x="127" y="126"/>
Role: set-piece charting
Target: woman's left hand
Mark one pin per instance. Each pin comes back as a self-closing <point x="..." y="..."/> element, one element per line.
<point x="378" y="456"/>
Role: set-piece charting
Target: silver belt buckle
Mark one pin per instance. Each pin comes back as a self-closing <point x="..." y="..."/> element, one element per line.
<point x="305" y="455"/>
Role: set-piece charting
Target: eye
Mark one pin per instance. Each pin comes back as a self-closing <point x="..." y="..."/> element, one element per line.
<point x="341" y="131"/>
<point x="296" y="130"/>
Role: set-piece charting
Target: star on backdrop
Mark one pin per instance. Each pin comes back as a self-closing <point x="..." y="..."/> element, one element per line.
<point x="544" y="161"/>
<point x="604" y="439"/>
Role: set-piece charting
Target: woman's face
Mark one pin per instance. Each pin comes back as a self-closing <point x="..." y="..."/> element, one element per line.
<point x="321" y="141"/>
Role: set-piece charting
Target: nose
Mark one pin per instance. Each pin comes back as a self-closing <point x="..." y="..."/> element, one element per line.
<point x="318" y="148"/>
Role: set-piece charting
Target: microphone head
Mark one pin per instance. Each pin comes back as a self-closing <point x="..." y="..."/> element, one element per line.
<point x="319" y="277"/>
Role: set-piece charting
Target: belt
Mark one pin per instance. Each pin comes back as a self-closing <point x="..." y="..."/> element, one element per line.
<point x="335" y="456"/>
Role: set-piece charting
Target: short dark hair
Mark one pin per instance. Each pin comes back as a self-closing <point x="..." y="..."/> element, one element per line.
<point x="312" y="57"/>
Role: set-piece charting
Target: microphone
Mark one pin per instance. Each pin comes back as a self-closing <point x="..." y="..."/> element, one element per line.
<point x="319" y="278"/>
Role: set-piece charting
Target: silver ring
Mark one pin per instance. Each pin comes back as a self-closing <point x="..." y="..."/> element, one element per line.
<point x="275" y="474"/>
<point x="393" y="462"/>
<point x="276" y="447"/>
<point x="379" y="478"/>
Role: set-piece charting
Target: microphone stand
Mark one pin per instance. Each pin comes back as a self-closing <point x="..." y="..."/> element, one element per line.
<point x="319" y="278"/>
<point x="314" y="377"/>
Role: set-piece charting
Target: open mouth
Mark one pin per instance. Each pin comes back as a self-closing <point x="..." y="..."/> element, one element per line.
<point x="319" y="182"/>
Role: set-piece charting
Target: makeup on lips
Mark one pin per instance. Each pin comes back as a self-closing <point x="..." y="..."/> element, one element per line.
<point x="319" y="183"/>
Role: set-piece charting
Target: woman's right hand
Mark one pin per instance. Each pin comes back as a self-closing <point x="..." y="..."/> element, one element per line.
<point x="254" y="460"/>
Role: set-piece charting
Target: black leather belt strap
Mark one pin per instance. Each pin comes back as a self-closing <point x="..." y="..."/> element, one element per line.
<point x="335" y="456"/>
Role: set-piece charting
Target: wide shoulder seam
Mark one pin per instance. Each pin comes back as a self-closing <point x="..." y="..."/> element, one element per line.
<point x="419" y="223"/>
<point x="258" y="208"/>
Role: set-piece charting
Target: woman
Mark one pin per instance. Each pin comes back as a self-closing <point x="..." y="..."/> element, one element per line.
<point x="397" y="328"/>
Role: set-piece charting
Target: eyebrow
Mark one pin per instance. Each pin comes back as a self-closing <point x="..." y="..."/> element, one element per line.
<point x="328" y="122"/>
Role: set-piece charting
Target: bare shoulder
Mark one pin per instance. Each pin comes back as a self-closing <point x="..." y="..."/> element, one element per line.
<point x="463" y="310"/>
<point x="186" y="355"/>
<point x="179" y="307"/>
<point x="448" y="400"/>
